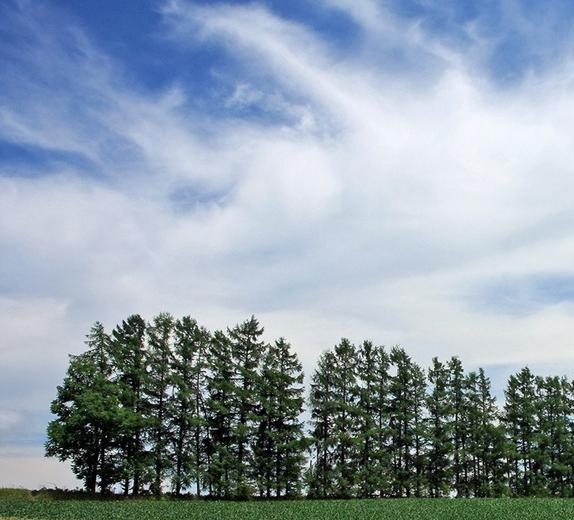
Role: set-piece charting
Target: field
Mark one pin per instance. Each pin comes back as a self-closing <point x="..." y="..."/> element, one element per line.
<point x="404" y="509"/>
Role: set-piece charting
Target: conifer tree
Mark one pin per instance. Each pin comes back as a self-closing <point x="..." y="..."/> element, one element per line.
<point x="520" y="420"/>
<point x="157" y="392"/>
<point x="372" y="381"/>
<point x="280" y="442"/>
<point x="459" y="427"/>
<point x="220" y="403"/>
<point x="88" y="415"/>
<point x="439" y="463"/>
<point x="382" y="431"/>
<point x="345" y="417"/>
<point x="555" y="423"/>
<point x="485" y="447"/>
<point x="322" y="400"/>
<point x="128" y="358"/>
<point x="188" y="412"/>
<point x="406" y="405"/>
<point x="246" y="354"/>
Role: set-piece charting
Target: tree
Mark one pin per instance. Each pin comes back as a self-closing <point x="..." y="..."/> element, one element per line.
<point x="485" y="446"/>
<point x="345" y="418"/>
<point x="520" y="420"/>
<point x="128" y="351"/>
<point x="88" y="415"/>
<point x="554" y="453"/>
<point x="280" y="441"/>
<point x="246" y="353"/>
<point x="456" y="389"/>
<point x="156" y="391"/>
<point x="320" y="476"/>
<point x="407" y="425"/>
<point x="372" y="381"/>
<point x="188" y="412"/>
<point x="220" y="442"/>
<point x="439" y="464"/>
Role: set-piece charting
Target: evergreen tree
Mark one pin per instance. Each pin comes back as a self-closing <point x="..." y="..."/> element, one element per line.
<point x="188" y="413"/>
<point x="88" y="415"/>
<point x="372" y="460"/>
<point x="520" y="420"/>
<point x="485" y="447"/>
<point x="406" y="405"/>
<point x="345" y="418"/>
<point x="382" y="431"/>
<point x="554" y="453"/>
<point x="128" y="358"/>
<point x="246" y="353"/>
<point x="157" y="391"/>
<point x="280" y="443"/>
<point x="439" y="406"/>
<point x="220" y="443"/>
<point x="460" y="431"/>
<point x="320" y="476"/>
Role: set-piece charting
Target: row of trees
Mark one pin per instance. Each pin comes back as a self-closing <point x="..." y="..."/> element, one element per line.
<point x="169" y="405"/>
<point x="383" y="426"/>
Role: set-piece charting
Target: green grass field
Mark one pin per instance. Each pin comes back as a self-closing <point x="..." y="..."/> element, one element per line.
<point x="419" y="509"/>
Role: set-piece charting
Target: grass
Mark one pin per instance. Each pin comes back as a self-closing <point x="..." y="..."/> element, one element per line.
<point x="403" y="509"/>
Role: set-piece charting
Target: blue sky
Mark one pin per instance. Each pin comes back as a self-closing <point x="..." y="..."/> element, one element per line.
<point x="398" y="171"/>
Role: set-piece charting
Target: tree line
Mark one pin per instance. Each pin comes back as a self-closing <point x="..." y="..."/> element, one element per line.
<point x="169" y="406"/>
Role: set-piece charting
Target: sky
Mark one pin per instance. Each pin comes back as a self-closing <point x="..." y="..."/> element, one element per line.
<point x="399" y="171"/>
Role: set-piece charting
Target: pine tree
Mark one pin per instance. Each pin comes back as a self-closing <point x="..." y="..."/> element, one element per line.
<point x="280" y="442"/>
<point x="345" y="418"/>
<point x="520" y="420"/>
<point x="246" y="354"/>
<point x="459" y="427"/>
<point x="220" y="443"/>
<point x="188" y="413"/>
<point x="128" y="358"/>
<point x="88" y="415"/>
<point x="372" y="381"/>
<point x="485" y="445"/>
<point x="439" y="406"/>
<point x="406" y="406"/>
<point x="157" y="391"/>
<point x="553" y="454"/>
<point x="320" y="476"/>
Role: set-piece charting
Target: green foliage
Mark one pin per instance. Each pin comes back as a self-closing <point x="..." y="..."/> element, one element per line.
<point x="88" y="415"/>
<point x="168" y="405"/>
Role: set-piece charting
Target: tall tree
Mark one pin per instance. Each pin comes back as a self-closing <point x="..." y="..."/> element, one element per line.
<point x="345" y="418"/>
<point x="320" y="476"/>
<point x="280" y="442"/>
<point x="459" y="427"/>
<point x="157" y="391"/>
<point x="485" y="446"/>
<point x="406" y="406"/>
<point x="382" y="430"/>
<point x="554" y="453"/>
<point x="372" y="381"/>
<point x="520" y="420"/>
<point x="88" y="415"/>
<point x="219" y="407"/>
<point x="439" y="406"/>
<point x="246" y="354"/>
<point x="188" y="412"/>
<point x="128" y="358"/>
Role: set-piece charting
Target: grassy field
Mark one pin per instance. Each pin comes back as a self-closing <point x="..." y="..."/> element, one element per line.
<point x="404" y="509"/>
